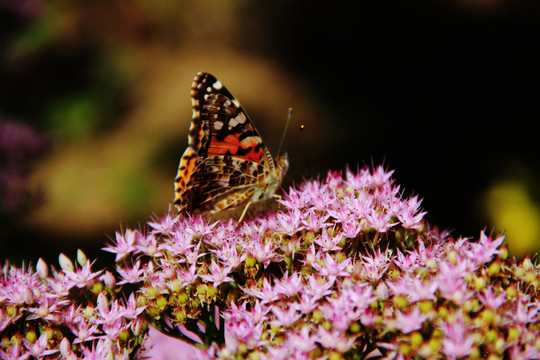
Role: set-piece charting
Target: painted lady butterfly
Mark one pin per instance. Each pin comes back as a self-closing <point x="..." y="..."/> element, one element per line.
<point x="226" y="165"/>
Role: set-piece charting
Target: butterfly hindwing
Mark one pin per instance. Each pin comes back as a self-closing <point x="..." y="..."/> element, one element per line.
<point x="221" y="182"/>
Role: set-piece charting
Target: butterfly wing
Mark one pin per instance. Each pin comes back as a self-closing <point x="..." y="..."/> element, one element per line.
<point x="218" y="183"/>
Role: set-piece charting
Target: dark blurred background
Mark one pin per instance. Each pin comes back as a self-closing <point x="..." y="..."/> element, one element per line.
<point x="95" y="106"/>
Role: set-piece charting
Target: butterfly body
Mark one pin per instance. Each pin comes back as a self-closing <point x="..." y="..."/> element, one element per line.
<point x="226" y="165"/>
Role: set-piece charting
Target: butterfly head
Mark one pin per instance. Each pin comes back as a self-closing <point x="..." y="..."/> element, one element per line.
<point x="282" y="165"/>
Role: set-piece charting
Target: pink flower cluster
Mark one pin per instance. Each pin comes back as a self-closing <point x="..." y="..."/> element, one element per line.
<point x="345" y="268"/>
<point x="73" y="314"/>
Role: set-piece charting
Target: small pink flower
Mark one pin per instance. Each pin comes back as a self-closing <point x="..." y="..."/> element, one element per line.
<point x="486" y="248"/>
<point x="410" y="321"/>
<point x="452" y="283"/>
<point x="267" y="293"/>
<point x="188" y="276"/>
<point x="219" y="274"/>
<point x="302" y="341"/>
<point x="229" y="255"/>
<point x="289" y="286"/>
<point x="263" y="252"/>
<point x="488" y="298"/>
<point x="351" y="228"/>
<point x="315" y="220"/>
<point x="198" y="226"/>
<point x="131" y="275"/>
<point x="327" y="242"/>
<point x="85" y="331"/>
<point x="331" y="268"/>
<point x="357" y="180"/>
<point x="334" y="340"/>
<point x="306" y="303"/>
<point x="293" y="199"/>
<point x="39" y="349"/>
<point x="380" y="221"/>
<point x="179" y="243"/>
<point x="458" y="340"/>
<point x="81" y="277"/>
<point x="284" y="317"/>
<point x="409" y="214"/>
<point x="525" y="313"/>
<point x="132" y="310"/>
<point x="318" y="286"/>
<point x="406" y="262"/>
<point x="124" y="245"/>
<point x="148" y="245"/>
<point x="290" y="222"/>
<point x="374" y="266"/>
<point x="164" y="224"/>
<point x="244" y="331"/>
<point x="422" y="289"/>
<point x="380" y="176"/>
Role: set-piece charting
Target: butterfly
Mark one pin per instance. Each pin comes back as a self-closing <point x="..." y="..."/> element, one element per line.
<point x="226" y="164"/>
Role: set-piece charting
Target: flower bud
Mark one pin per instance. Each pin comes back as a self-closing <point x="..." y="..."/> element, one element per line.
<point x="65" y="347"/>
<point x="89" y="311"/>
<point x="108" y="279"/>
<point x="31" y="336"/>
<point x="65" y="263"/>
<point x="42" y="269"/>
<point x="382" y="291"/>
<point x="161" y="302"/>
<point x="514" y="334"/>
<point x="28" y="296"/>
<point x="81" y="257"/>
<point x="124" y="335"/>
<point x="494" y="268"/>
<point x="139" y="326"/>
<point x="416" y="339"/>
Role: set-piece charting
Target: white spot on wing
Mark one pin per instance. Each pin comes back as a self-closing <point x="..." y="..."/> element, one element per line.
<point x="217" y="85"/>
<point x="218" y="125"/>
<point x="233" y="122"/>
<point x="240" y="119"/>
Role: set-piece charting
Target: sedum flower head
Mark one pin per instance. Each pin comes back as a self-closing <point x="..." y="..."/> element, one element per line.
<point x="72" y="314"/>
<point x="346" y="268"/>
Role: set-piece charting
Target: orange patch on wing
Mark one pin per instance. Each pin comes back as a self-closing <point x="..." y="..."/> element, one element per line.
<point x="185" y="169"/>
<point x="231" y="145"/>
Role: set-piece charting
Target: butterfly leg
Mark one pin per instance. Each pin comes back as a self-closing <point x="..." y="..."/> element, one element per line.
<point x="244" y="212"/>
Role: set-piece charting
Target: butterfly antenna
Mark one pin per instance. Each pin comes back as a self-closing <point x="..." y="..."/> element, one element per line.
<point x="289" y="116"/>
